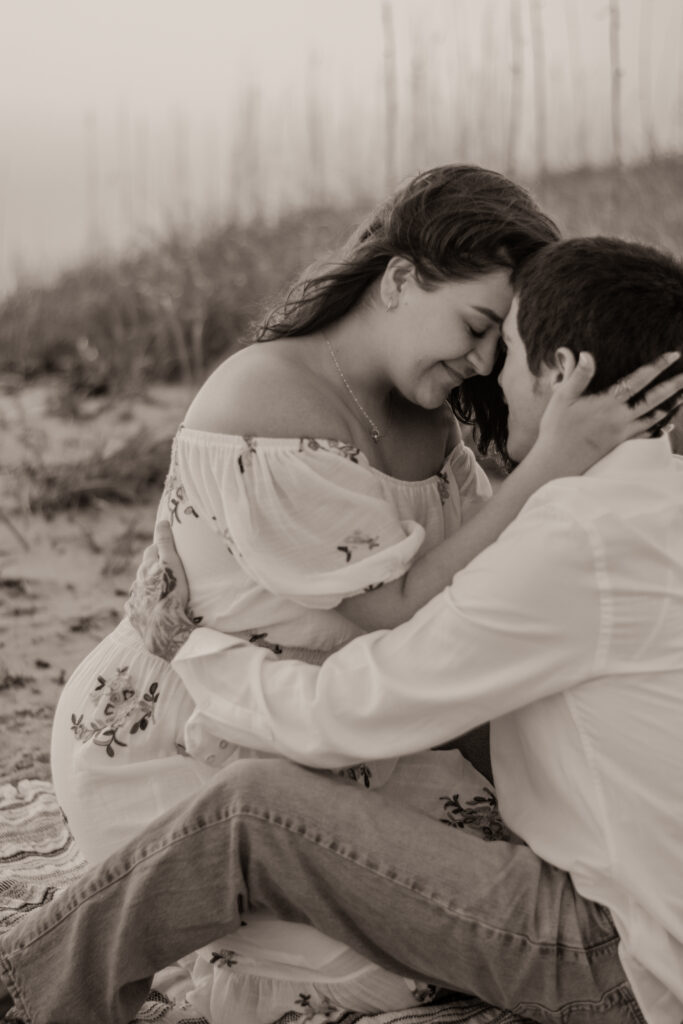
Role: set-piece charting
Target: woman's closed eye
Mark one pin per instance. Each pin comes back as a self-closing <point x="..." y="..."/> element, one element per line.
<point x="476" y="333"/>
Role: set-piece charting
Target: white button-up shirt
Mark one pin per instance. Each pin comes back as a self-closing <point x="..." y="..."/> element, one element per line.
<point x="567" y="633"/>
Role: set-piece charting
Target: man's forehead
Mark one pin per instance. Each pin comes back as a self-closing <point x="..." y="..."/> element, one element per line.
<point x="510" y="321"/>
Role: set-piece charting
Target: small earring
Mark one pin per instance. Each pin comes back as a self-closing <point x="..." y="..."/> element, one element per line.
<point x="390" y="305"/>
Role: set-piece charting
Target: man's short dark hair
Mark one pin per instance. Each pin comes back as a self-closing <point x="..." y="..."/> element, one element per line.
<point x="619" y="300"/>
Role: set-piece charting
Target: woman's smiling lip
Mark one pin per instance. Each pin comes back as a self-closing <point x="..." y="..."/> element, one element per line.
<point x="457" y="377"/>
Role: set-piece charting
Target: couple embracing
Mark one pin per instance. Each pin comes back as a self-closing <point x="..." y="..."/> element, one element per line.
<point x="360" y="599"/>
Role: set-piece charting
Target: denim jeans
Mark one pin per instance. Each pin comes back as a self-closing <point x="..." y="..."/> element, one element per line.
<point x="418" y="897"/>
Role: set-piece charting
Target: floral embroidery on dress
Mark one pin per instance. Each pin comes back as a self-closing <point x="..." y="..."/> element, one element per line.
<point x="225" y="534"/>
<point x="245" y="458"/>
<point x="259" y="640"/>
<point x="357" y="773"/>
<point x="174" y="491"/>
<point x="123" y="712"/>
<point x="348" y="451"/>
<point x="443" y="486"/>
<point x="479" y="815"/>
<point x="196" y="619"/>
<point x="316" y="1008"/>
<point x="160" y="1008"/>
<point x="422" y="991"/>
<point x="176" y="498"/>
<point x="355" y="541"/>
<point x="224" y="958"/>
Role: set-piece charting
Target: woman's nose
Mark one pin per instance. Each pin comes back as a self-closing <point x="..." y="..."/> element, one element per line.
<point x="483" y="357"/>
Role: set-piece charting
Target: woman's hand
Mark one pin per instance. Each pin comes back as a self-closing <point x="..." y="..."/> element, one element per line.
<point x="157" y="606"/>
<point x="578" y="430"/>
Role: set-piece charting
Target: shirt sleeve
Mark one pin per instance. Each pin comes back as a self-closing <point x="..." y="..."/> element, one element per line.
<point x="313" y="522"/>
<point x="523" y="621"/>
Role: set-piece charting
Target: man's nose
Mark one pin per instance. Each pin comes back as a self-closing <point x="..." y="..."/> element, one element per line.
<point x="483" y="356"/>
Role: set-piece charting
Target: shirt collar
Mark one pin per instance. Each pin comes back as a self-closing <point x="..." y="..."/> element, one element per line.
<point x="641" y="455"/>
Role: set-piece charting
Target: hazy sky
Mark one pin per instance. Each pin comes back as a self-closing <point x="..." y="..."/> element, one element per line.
<point x="57" y="55"/>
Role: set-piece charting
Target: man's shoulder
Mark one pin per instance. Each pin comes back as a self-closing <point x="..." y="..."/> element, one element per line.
<point x="571" y="499"/>
<point x="557" y="533"/>
<point x="581" y="498"/>
<point x="549" y="539"/>
<point x="614" y="516"/>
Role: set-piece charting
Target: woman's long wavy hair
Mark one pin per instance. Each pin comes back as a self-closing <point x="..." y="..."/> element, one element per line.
<point x="453" y="223"/>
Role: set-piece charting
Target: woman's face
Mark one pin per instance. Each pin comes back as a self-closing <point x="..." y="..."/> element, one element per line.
<point x="442" y="336"/>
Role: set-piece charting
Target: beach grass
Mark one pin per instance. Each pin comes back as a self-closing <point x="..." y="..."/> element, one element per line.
<point x="167" y="312"/>
<point x="173" y="310"/>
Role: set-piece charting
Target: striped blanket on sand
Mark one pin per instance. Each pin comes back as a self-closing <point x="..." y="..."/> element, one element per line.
<point x="38" y="857"/>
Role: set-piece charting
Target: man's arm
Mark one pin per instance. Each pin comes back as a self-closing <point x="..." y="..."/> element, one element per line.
<point x="520" y="623"/>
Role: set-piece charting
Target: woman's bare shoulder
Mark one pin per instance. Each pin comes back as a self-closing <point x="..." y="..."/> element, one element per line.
<point x="268" y="390"/>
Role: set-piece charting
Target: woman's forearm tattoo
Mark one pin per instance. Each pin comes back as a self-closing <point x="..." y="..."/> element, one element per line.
<point x="168" y="582"/>
<point x="168" y="629"/>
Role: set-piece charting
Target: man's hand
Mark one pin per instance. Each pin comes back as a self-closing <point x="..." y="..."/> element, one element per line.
<point x="157" y="606"/>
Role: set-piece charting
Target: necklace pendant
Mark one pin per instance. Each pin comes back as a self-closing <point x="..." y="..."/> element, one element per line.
<point x="374" y="430"/>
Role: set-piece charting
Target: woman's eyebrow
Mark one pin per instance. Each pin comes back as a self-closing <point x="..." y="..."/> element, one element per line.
<point x="489" y="313"/>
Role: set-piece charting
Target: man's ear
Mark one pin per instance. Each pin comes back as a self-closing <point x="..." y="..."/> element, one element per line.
<point x="563" y="365"/>
<point x="398" y="271"/>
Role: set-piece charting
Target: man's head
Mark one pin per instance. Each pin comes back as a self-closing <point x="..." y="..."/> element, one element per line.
<point x="620" y="301"/>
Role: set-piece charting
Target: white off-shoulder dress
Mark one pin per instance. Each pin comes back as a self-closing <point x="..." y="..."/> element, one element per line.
<point x="273" y="534"/>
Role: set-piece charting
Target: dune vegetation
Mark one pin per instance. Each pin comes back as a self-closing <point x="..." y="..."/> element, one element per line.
<point x="171" y="311"/>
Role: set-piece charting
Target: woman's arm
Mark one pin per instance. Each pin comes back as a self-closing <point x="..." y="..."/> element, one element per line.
<point x="575" y="432"/>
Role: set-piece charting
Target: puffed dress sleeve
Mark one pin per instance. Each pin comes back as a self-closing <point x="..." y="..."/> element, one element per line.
<point x="473" y="487"/>
<point x="308" y="520"/>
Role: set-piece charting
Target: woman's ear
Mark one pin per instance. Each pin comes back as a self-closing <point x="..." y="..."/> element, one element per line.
<point x="563" y="364"/>
<point x="398" y="270"/>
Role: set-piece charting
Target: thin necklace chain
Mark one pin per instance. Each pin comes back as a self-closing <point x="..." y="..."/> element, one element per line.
<point x="375" y="432"/>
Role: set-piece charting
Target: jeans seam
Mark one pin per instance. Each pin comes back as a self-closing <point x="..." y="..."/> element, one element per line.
<point x="148" y="853"/>
<point x="619" y="995"/>
<point x="18" y="999"/>
<point x="600" y="949"/>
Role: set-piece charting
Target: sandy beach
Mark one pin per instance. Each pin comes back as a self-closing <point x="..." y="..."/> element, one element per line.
<point x="64" y="578"/>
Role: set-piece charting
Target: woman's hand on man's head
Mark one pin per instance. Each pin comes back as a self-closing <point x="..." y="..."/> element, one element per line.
<point x="157" y="606"/>
<point x="581" y="429"/>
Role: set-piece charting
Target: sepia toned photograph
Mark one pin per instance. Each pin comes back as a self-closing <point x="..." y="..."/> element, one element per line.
<point x="341" y="511"/>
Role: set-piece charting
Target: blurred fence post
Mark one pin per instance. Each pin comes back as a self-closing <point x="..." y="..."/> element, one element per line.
<point x="615" y="64"/>
<point x="390" y="98"/>
<point x="679" y="139"/>
<point x="92" y="184"/>
<point x="180" y="202"/>
<point x="315" y="132"/>
<point x="572" y="15"/>
<point x="141" y="175"/>
<point x="5" y="196"/>
<point x="124" y="179"/>
<point x="514" y="119"/>
<point x="538" y="56"/>
<point x="465" y="73"/>
<point x="246" y="157"/>
<point x="417" y="102"/>
<point x="645" y="75"/>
